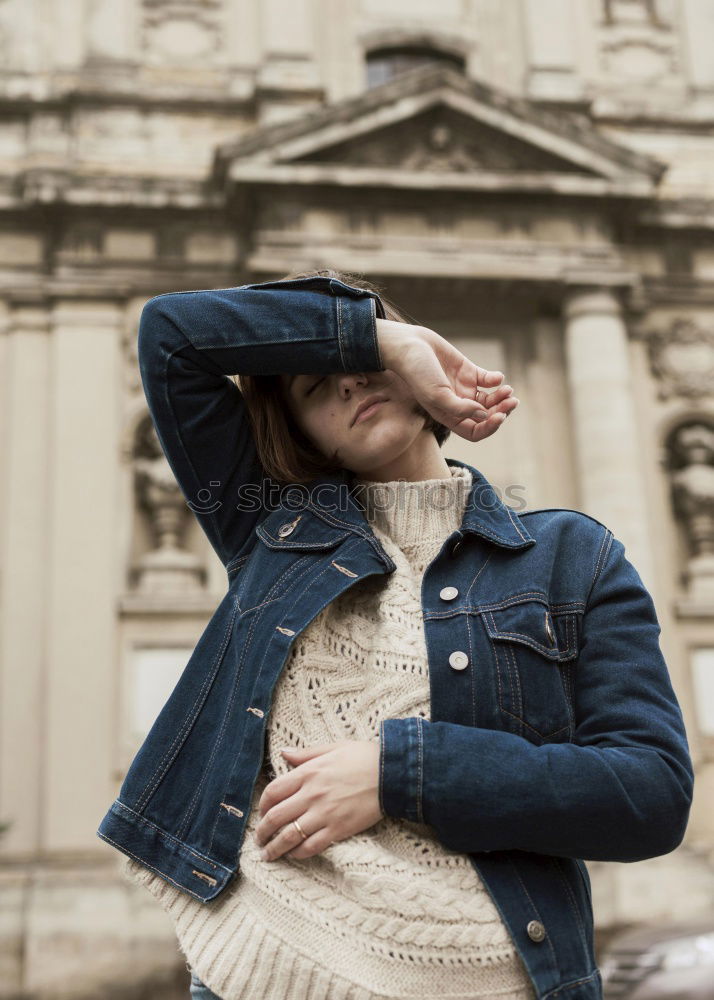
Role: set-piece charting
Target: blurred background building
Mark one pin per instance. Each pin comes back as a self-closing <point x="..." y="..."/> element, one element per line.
<point x="533" y="179"/>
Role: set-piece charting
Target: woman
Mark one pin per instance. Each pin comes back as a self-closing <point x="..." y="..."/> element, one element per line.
<point x="417" y="821"/>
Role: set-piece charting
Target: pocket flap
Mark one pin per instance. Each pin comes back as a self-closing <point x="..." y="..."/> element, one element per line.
<point x="534" y="624"/>
<point x="299" y="530"/>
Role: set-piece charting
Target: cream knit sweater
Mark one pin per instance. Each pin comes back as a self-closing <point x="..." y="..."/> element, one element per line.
<point x="389" y="912"/>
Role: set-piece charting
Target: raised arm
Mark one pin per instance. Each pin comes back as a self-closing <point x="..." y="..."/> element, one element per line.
<point x="190" y="342"/>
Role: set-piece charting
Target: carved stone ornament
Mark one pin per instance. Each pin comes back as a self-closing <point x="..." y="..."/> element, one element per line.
<point x="692" y="478"/>
<point x="682" y="359"/>
<point x="167" y="568"/>
<point x="443" y="148"/>
<point x="132" y="375"/>
<point x="638" y="43"/>
<point x="176" y="30"/>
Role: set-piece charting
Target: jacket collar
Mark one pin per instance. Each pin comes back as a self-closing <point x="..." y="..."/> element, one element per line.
<point x="333" y="498"/>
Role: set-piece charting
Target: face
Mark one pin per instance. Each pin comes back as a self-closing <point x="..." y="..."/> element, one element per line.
<point x="324" y="408"/>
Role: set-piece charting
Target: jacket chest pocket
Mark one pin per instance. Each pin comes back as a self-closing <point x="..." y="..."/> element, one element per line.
<point x="534" y="648"/>
<point x="281" y="564"/>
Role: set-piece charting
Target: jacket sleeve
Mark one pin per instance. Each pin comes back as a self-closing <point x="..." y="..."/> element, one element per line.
<point x="190" y="342"/>
<point x="621" y="791"/>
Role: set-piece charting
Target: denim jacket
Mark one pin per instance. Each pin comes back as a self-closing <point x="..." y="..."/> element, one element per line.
<point x="554" y="733"/>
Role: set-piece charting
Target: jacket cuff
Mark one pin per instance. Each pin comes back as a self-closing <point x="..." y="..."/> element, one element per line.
<point x="357" y="332"/>
<point x="401" y="768"/>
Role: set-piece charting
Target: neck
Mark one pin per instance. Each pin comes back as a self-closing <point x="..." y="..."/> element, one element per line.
<point x="423" y="460"/>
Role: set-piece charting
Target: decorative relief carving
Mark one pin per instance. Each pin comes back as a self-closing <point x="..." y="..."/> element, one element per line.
<point x="632" y="11"/>
<point x="167" y="568"/>
<point x="691" y="449"/>
<point x="442" y="140"/>
<point x="173" y="30"/>
<point x="639" y="58"/>
<point x="638" y="42"/>
<point x="441" y="148"/>
<point x="682" y="359"/>
<point x="132" y="375"/>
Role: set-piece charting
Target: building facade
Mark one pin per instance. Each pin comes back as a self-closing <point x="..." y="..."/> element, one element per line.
<point x="530" y="178"/>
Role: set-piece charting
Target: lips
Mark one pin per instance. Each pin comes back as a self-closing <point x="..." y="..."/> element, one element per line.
<point x="365" y="405"/>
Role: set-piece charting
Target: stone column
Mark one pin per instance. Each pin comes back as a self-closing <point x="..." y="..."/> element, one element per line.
<point x="608" y="453"/>
<point x="697" y="19"/>
<point x="82" y="572"/>
<point x="288" y="80"/>
<point x="112" y="31"/>
<point x="551" y="40"/>
<point x="25" y="395"/>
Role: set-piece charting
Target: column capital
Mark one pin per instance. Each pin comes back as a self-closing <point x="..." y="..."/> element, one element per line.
<point x="591" y="300"/>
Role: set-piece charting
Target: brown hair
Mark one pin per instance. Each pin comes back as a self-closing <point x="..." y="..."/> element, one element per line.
<point x="284" y="451"/>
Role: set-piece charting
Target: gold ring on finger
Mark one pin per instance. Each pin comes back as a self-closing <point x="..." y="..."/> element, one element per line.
<point x="299" y="829"/>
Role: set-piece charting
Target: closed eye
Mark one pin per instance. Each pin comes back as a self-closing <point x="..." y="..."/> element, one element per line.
<point x="314" y="385"/>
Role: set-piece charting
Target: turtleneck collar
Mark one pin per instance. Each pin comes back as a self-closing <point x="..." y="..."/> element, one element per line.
<point x="414" y="511"/>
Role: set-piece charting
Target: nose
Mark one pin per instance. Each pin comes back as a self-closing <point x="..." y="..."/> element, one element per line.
<point x="348" y="381"/>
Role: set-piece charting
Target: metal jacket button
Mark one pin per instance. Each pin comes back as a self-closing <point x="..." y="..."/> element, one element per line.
<point x="448" y="593"/>
<point x="458" y="659"/>
<point x="286" y="529"/>
<point x="536" y="930"/>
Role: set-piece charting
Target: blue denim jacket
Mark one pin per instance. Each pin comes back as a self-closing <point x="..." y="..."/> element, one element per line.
<point x="554" y="735"/>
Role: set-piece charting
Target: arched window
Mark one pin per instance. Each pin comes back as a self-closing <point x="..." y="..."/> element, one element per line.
<point x="386" y="62"/>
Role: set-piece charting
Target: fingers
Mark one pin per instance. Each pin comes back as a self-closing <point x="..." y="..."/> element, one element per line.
<point x="477" y="430"/>
<point x="489" y="399"/>
<point x="463" y="415"/>
<point x="279" y="789"/>
<point x="288" y="841"/>
<point x="312" y="845"/>
<point x="496" y="419"/>
<point x="488" y="377"/>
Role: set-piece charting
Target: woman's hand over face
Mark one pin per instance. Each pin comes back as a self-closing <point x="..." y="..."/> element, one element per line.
<point x="466" y="398"/>
<point x="333" y="792"/>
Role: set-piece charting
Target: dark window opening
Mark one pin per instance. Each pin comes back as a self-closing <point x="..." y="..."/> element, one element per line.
<point x="386" y="63"/>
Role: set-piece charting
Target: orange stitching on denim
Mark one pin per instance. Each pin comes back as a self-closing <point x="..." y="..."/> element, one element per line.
<point x="517" y="676"/>
<point x="573" y="903"/>
<point x="571" y="986"/>
<point x="516" y="692"/>
<point x="193" y="715"/>
<point x="194" y="799"/>
<point x="510" y="515"/>
<point x="420" y="767"/>
<point x="381" y="765"/>
<point x="574" y="608"/>
<point x="495" y="651"/>
<point x="533" y="730"/>
<point x="298" y="596"/>
<point x="152" y="868"/>
<point x="478" y="574"/>
<point x="285" y="575"/>
<point x="167" y="836"/>
<point x="601" y="559"/>
<point x="535" y="909"/>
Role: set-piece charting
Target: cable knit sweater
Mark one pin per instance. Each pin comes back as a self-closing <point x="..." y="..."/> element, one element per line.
<point x="390" y="912"/>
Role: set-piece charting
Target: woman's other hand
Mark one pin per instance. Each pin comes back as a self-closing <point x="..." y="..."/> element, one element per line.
<point x="332" y="791"/>
<point x="466" y="398"/>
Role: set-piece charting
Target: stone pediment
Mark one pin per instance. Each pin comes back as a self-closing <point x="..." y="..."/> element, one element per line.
<point x="434" y="127"/>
